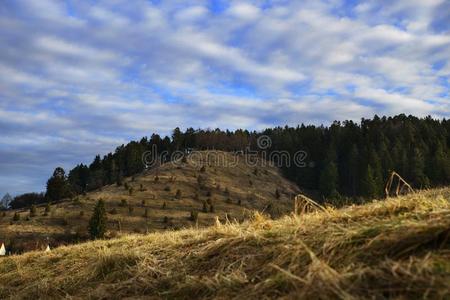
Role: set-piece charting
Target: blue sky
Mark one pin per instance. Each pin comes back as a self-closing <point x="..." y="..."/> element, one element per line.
<point x="78" y="78"/>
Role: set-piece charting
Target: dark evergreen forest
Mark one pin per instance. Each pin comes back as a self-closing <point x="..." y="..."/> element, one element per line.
<point x="345" y="159"/>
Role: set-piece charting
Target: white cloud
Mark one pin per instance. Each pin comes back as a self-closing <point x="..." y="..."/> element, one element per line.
<point x="244" y="11"/>
<point x="89" y="76"/>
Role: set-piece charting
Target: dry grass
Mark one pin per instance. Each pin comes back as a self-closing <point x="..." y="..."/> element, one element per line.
<point x="399" y="248"/>
<point x="227" y="186"/>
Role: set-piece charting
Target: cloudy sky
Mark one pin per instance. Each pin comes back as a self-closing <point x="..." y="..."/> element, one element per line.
<point x="78" y="78"/>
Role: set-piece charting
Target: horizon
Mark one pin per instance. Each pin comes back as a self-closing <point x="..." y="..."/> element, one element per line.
<point x="79" y="79"/>
<point x="102" y="155"/>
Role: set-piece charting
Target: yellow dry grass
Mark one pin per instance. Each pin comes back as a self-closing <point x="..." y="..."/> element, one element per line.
<point x="398" y="248"/>
<point x="228" y="179"/>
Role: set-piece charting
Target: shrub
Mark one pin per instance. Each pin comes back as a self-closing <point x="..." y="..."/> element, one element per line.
<point x="123" y="203"/>
<point x="250" y="197"/>
<point x="194" y="216"/>
<point x="32" y="211"/>
<point x="201" y="181"/>
<point x="97" y="223"/>
<point x="47" y="209"/>
<point x="178" y="194"/>
<point x="119" y="181"/>
<point x="16" y="216"/>
<point x="76" y="201"/>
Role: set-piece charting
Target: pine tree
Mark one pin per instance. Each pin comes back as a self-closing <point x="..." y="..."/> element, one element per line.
<point x="352" y="164"/>
<point x="377" y="173"/>
<point x="368" y="184"/>
<point x="439" y="169"/>
<point x="57" y="186"/>
<point x="97" y="223"/>
<point x="328" y="180"/>
<point x="417" y="169"/>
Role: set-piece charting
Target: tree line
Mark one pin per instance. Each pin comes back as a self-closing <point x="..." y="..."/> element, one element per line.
<point x="345" y="159"/>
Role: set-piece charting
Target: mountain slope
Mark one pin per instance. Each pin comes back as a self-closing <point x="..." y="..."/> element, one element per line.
<point x="395" y="248"/>
<point x="221" y="183"/>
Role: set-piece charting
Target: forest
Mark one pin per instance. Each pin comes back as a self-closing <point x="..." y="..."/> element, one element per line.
<point x="346" y="160"/>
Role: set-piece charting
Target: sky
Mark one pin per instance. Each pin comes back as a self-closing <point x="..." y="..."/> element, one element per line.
<point x="78" y="78"/>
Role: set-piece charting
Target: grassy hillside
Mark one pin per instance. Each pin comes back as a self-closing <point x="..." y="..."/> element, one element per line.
<point x="220" y="182"/>
<point x="398" y="248"/>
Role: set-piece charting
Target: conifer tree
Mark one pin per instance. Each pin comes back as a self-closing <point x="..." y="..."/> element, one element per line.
<point x="329" y="180"/>
<point x="417" y="169"/>
<point x="368" y="184"/>
<point x="97" y="223"/>
<point x="57" y="187"/>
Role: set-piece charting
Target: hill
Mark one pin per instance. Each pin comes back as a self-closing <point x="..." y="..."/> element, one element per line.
<point x="210" y="183"/>
<point x="398" y="248"/>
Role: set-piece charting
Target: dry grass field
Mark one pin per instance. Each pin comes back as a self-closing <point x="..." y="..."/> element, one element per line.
<point x="398" y="248"/>
<point x="227" y="187"/>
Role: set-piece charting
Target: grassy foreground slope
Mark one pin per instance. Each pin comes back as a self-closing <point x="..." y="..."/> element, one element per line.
<point x="398" y="248"/>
